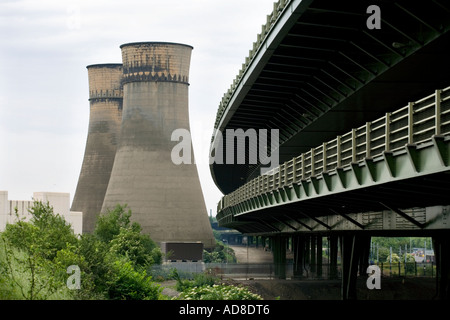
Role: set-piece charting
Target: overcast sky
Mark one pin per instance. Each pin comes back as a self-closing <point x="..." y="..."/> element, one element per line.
<point x="45" y="47"/>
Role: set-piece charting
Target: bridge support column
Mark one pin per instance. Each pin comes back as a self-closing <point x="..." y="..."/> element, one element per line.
<point x="270" y="243"/>
<point x="353" y="250"/>
<point x="298" y="244"/>
<point x="333" y="240"/>
<point x="441" y="246"/>
<point x="313" y="254"/>
<point x="365" y="253"/>
<point x="307" y="253"/>
<point x="279" y="256"/>
<point x="319" y="256"/>
<point x="264" y="242"/>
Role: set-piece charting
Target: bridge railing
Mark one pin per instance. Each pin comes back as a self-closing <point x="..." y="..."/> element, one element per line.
<point x="416" y="123"/>
<point x="322" y="271"/>
<point x="278" y="8"/>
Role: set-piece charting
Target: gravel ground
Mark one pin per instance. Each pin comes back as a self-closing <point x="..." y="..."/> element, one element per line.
<point x="169" y="288"/>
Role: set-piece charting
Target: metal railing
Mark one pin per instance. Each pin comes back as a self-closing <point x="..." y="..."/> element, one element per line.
<point x="278" y="8"/>
<point x="415" y="123"/>
<point x="311" y="271"/>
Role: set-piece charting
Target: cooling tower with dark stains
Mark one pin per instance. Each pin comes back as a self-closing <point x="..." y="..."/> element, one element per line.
<point x="166" y="199"/>
<point x="105" y="117"/>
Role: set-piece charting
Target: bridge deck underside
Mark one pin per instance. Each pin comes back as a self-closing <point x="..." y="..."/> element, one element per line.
<point x="326" y="72"/>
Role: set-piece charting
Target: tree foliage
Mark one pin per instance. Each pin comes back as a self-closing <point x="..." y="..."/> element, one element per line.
<point x="382" y="246"/>
<point x="35" y="255"/>
<point x="126" y="283"/>
<point x="29" y="252"/>
<point x="221" y="254"/>
<point x="401" y="242"/>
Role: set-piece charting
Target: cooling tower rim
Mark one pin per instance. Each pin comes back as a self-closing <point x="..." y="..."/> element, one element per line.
<point x="154" y="42"/>
<point x="104" y="65"/>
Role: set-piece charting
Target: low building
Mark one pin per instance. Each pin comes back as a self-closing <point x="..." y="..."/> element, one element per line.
<point x="11" y="210"/>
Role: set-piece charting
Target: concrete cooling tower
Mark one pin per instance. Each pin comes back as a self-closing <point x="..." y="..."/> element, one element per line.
<point x="105" y="97"/>
<point x="165" y="198"/>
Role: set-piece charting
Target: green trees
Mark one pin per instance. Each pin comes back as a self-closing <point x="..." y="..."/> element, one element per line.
<point x="221" y="254"/>
<point x="382" y="246"/>
<point x="123" y="254"/>
<point x="28" y="256"/>
<point x="129" y="283"/>
<point x="383" y="254"/>
<point x="35" y="256"/>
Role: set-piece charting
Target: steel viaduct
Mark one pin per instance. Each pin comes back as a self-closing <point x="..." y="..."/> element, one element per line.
<point x="363" y="114"/>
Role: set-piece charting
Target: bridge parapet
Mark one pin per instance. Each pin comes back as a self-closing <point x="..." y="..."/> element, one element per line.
<point x="278" y="8"/>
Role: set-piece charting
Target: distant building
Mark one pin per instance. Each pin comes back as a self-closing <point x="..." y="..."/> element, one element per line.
<point x="58" y="200"/>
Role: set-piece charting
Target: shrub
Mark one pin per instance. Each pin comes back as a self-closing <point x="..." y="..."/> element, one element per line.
<point x="139" y="248"/>
<point x="200" y="279"/>
<point x="219" y="292"/>
<point x="221" y="254"/>
<point x="109" y="224"/>
<point x="126" y="283"/>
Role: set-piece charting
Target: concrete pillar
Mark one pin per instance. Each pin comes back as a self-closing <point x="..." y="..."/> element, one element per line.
<point x="313" y="251"/>
<point x="298" y="243"/>
<point x="441" y="246"/>
<point x="353" y="248"/>
<point x="319" y="256"/>
<point x="350" y="259"/>
<point x="105" y="117"/>
<point x="154" y="170"/>
<point x="364" y="242"/>
<point x="333" y="240"/>
<point x="307" y="251"/>
<point x="279" y="256"/>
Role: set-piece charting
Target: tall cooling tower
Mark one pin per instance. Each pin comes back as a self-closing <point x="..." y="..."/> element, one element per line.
<point x="106" y="98"/>
<point x="165" y="198"/>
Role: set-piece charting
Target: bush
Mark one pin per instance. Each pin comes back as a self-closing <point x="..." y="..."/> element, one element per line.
<point x="383" y="254"/>
<point x="206" y="287"/>
<point x="219" y="292"/>
<point x="125" y="238"/>
<point x="395" y="258"/>
<point x="109" y="224"/>
<point x="126" y="283"/>
<point x="139" y="248"/>
<point x="221" y="254"/>
<point x="200" y="279"/>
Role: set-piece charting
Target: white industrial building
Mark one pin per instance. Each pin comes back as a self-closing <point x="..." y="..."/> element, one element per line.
<point x="58" y="200"/>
